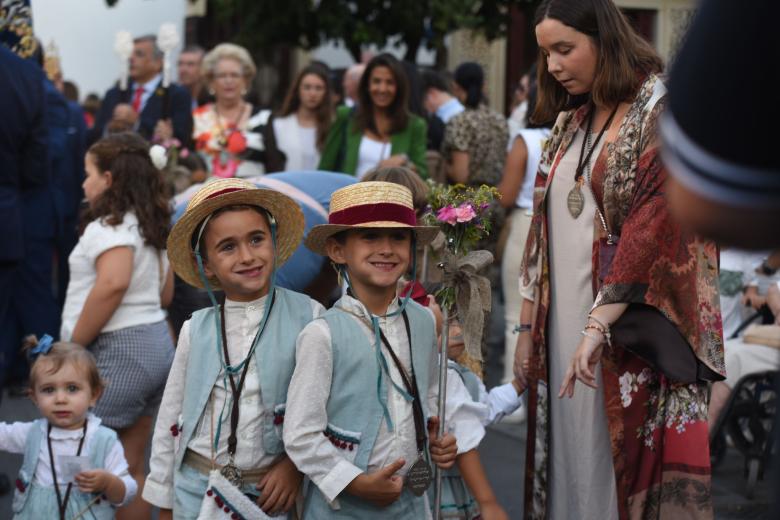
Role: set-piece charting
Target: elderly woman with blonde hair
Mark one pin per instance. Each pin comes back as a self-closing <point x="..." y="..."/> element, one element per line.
<point x="230" y="132"/>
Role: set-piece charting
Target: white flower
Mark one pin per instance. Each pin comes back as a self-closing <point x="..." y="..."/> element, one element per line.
<point x="158" y="156"/>
<point x="167" y="37"/>
<point x="123" y="44"/>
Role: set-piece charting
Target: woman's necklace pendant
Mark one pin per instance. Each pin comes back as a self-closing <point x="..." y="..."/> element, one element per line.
<point x="576" y="200"/>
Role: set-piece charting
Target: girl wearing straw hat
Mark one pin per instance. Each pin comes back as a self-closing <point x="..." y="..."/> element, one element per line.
<point x="365" y="378"/>
<point x="218" y="434"/>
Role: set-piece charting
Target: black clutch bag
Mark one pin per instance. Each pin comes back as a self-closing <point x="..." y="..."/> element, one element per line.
<point x="644" y="331"/>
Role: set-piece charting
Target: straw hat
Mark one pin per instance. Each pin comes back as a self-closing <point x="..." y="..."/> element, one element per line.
<point x="369" y="205"/>
<point x="228" y="192"/>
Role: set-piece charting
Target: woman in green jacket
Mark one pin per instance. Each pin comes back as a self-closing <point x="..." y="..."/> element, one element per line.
<point x="380" y="132"/>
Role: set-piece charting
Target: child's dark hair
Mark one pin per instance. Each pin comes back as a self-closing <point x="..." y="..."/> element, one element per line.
<point x="60" y="353"/>
<point x="404" y="177"/>
<point x="136" y="185"/>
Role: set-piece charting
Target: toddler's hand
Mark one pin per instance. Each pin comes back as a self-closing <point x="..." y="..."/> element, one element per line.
<point x="279" y="487"/>
<point x="93" y="481"/>
<point x="492" y="511"/>
<point x="444" y="450"/>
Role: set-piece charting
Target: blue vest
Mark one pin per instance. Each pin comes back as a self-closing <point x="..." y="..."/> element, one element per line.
<point x="274" y="356"/>
<point x="100" y="443"/>
<point x="355" y="413"/>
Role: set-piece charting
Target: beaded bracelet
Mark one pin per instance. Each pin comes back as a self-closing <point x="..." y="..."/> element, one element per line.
<point x="594" y="338"/>
<point x="523" y="327"/>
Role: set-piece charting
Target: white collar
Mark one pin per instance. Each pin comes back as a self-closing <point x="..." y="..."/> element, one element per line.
<point x="149" y="85"/>
<point x="231" y="304"/>
<point x="357" y="307"/>
<point x="62" y="434"/>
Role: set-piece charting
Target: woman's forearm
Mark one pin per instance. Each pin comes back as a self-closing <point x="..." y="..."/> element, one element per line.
<point x="609" y="313"/>
<point x="526" y="312"/>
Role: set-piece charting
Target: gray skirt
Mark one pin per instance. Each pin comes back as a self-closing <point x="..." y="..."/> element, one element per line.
<point x="134" y="363"/>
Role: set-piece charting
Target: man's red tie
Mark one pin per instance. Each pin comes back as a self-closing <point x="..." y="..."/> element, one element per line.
<point x="137" y="99"/>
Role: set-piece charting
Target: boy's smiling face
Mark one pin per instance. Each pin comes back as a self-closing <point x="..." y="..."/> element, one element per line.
<point x="239" y="253"/>
<point x="375" y="258"/>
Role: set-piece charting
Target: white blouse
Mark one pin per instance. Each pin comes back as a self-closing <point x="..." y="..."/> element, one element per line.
<point x="306" y="415"/>
<point x="242" y="320"/>
<point x="141" y="302"/>
<point x="13" y="439"/>
<point x="298" y="143"/>
<point x="370" y="154"/>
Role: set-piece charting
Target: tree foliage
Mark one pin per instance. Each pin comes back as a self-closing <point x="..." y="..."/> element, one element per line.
<point x="359" y="23"/>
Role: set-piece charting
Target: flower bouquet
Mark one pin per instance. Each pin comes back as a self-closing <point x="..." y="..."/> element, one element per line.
<point x="462" y="214"/>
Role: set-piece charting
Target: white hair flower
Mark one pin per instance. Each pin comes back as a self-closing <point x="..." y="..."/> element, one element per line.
<point x="158" y="155"/>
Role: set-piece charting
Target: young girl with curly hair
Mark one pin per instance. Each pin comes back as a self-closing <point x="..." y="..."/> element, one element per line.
<point x="119" y="283"/>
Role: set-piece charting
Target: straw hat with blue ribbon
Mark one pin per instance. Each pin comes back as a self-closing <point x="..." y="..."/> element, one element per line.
<point x="184" y="237"/>
<point x="369" y="205"/>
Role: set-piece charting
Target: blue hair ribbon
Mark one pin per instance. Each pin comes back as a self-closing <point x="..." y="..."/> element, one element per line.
<point x="43" y="347"/>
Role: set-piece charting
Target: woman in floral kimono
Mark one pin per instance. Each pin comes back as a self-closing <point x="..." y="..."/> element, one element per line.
<point x="631" y="442"/>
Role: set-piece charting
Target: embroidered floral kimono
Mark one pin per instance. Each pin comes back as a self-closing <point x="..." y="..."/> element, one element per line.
<point x="657" y="427"/>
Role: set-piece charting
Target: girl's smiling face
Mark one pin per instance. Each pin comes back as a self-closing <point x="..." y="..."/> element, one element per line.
<point x="239" y="253"/>
<point x="64" y="397"/>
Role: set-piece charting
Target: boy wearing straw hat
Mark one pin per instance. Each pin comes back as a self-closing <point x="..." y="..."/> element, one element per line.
<point x="224" y="403"/>
<point x="364" y="386"/>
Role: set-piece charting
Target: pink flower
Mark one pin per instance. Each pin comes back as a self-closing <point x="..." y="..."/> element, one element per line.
<point x="447" y="214"/>
<point x="465" y="212"/>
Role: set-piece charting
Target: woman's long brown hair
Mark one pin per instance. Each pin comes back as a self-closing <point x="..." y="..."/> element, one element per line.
<point x="398" y="111"/>
<point x="136" y="185"/>
<point x="624" y="57"/>
<point x="323" y="114"/>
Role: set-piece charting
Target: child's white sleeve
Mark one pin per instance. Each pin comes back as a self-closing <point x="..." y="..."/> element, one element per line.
<point x="116" y="464"/>
<point x="306" y="416"/>
<point x="465" y="418"/>
<point x="502" y="400"/>
<point x="158" y="489"/>
<point x="13" y="436"/>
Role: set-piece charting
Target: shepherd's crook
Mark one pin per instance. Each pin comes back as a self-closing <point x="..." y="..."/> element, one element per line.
<point x="445" y="340"/>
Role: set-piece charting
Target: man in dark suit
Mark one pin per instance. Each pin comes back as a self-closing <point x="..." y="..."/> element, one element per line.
<point x="23" y="169"/>
<point x="146" y="106"/>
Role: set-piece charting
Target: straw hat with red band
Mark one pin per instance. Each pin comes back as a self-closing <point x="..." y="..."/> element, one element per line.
<point x="369" y="205"/>
<point x="230" y="192"/>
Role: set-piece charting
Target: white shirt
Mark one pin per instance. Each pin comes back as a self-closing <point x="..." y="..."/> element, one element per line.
<point x="141" y="302"/>
<point x="306" y="416"/>
<point x="466" y="418"/>
<point x="449" y="109"/>
<point x="533" y="138"/>
<point x="298" y="143"/>
<point x="370" y="154"/>
<point x="13" y="439"/>
<point x="242" y="320"/>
